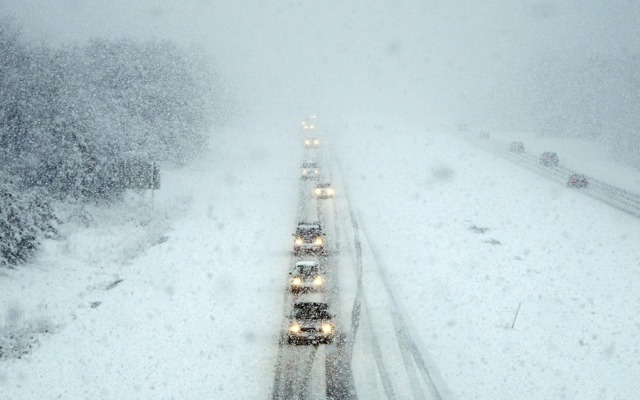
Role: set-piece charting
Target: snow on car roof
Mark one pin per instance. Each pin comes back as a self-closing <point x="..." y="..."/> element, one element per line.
<point x="309" y="225"/>
<point x="306" y="264"/>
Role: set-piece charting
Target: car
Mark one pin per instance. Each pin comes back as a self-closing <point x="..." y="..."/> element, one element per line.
<point x="517" y="147"/>
<point x="309" y="123"/>
<point x="549" y="158"/>
<point x="324" y="191"/>
<point x="310" y="323"/>
<point x="577" y="181"/>
<point x="310" y="171"/>
<point x="484" y="135"/>
<point x="309" y="238"/>
<point x="307" y="276"/>
<point x="312" y="143"/>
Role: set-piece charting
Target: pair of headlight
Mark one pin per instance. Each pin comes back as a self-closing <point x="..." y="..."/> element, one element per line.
<point x="326" y="328"/>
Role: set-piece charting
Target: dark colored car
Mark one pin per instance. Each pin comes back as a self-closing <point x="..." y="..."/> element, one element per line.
<point x="307" y="276"/>
<point x="549" y="159"/>
<point x="577" y="181"/>
<point x="309" y="238"/>
<point x="484" y="135"/>
<point x="310" y="323"/>
<point x="517" y="147"/>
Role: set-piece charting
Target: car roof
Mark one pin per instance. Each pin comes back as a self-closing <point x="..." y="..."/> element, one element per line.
<point x="309" y="225"/>
<point x="306" y="264"/>
<point x="311" y="306"/>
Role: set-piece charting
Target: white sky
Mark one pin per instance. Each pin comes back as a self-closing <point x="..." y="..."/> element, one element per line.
<point x="424" y="59"/>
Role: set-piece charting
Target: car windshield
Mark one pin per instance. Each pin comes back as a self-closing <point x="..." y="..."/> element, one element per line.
<point x="311" y="311"/>
<point x="310" y="165"/>
<point x="306" y="269"/>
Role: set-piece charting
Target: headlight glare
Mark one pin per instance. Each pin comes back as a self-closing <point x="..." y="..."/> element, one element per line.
<point x="318" y="281"/>
<point x="294" y="328"/>
<point x="318" y="242"/>
<point x="299" y="242"/>
<point x="327" y="328"/>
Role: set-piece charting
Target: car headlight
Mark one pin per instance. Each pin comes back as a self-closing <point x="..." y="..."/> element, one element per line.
<point x="316" y="142"/>
<point x="318" y="242"/>
<point x="304" y="172"/>
<point x="318" y="281"/>
<point x="316" y="171"/>
<point x="330" y="192"/>
<point x="318" y="192"/>
<point x="306" y="142"/>
<point x="296" y="281"/>
<point x="294" y="328"/>
<point x="326" y="328"/>
<point x="299" y="242"/>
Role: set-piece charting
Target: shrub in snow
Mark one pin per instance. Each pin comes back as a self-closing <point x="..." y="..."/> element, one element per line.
<point x="25" y="219"/>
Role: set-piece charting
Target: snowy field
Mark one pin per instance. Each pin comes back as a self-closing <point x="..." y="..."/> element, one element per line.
<point x="469" y="241"/>
<point x="469" y="238"/>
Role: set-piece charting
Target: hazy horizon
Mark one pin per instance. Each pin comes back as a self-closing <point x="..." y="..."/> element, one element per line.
<point x="428" y="63"/>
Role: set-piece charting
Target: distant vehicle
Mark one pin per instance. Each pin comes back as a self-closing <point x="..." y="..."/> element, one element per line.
<point x="312" y="143"/>
<point x="306" y="277"/>
<point x="310" y="171"/>
<point x="577" y="181"/>
<point x="310" y="323"/>
<point x="309" y="238"/>
<point x="309" y="123"/>
<point x="324" y="191"/>
<point x="517" y="147"/>
<point x="484" y="135"/>
<point x="549" y="158"/>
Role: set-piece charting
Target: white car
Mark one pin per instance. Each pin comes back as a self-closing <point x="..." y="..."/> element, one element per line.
<point x="310" y="171"/>
<point x="312" y="143"/>
<point x="306" y="276"/>
<point x="324" y="191"/>
<point x="309" y="238"/>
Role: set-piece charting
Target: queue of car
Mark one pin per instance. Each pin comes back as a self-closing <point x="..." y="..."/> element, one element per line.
<point x="310" y="321"/>
<point x="547" y="159"/>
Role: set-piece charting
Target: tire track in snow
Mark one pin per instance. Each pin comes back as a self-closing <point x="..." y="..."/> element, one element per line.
<point x="408" y="345"/>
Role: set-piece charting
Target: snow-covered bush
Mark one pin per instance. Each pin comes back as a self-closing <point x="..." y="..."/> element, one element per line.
<point x="25" y="219"/>
<point x="71" y="117"/>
